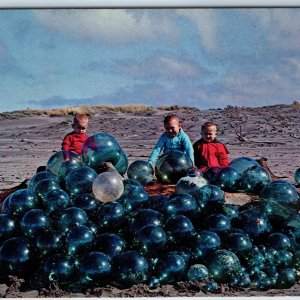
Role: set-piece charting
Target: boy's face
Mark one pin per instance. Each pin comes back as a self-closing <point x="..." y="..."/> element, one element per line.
<point x="209" y="133"/>
<point x="172" y="127"/>
<point x="80" y="127"/>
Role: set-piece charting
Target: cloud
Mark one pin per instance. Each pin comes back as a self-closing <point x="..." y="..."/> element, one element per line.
<point x="110" y="26"/>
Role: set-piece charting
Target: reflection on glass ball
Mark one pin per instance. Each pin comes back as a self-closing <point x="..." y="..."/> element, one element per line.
<point x="108" y="186"/>
<point x="286" y="278"/>
<point x="141" y="171"/>
<point x="197" y="272"/>
<point x="8" y="227"/>
<point x="95" y="266"/>
<point x="190" y="184"/>
<point x="57" y="162"/>
<point x="243" y="163"/>
<point x="223" y="265"/>
<point x="210" y="174"/>
<point x="21" y="201"/>
<point x="68" y="166"/>
<point x="44" y="186"/>
<point x="72" y="216"/>
<point x="80" y="181"/>
<point x="79" y="239"/>
<point x="130" y="268"/>
<point x="278" y="241"/>
<point x="100" y="148"/>
<point x="15" y="256"/>
<point x="34" y="221"/>
<point x="87" y="202"/>
<point x="111" y="244"/>
<point x="5" y="206"/>
<point x="218" y="223"/>
<point x="254" y="179"/>
<point x="122" y="164"/>
<point x="38" y="177"/>
<point x="171" y="166"/>
<point x="56" y="200"/>
<point x="231" y="211"/>
<point x="238" y="242"/>
<point x="229" y="179"/>
<point x="134" y="198"/>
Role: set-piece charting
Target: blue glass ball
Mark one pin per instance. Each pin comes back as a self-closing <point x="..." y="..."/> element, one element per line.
<point x="38" y="177"/>
<point x="223" y="265"/>
<point x="80" y="181"/>
<point x="48" y="242"/>
<point x="279" y="241"/>
<point x="16" y="257"/>
<point x="68" y="166"/>
<point x="282" y="192"/>
<point x="231" y="211"/>
<point x="8" y="227"/>
<point x="130" y="184"/>
<point x="79" y="239"/>
<point x="210" y="174"/>
<point x="134" y="198"/>
<point x="5" y="206"/>
<point x="210" y="198"/>
<point x="171" y="166"/>
<point x="254" y="179"/>
<point x="210" y="287"/>
<point x="143" y="217"/>
<point x="111" y="244"/>
<point x="21" y="201"/>
<point x="141" y="171"/>
<point x="286" y="278"/>
<point x="59" y="269"/>
<point x="243" y="163"/>
<point x="190" y="184"/>
<point x="282" y="258"/>
<point x="110" y="215"/>
<point x="122" y="164"/>
<point x="238" y="242"/>
<point x="255" y="223"/>
<point x="44" y="186"/>
<point x="56" y="200"/>
<point x="130" y="268"/>
<point x="95" y="267"/>
<point x="297" y="176"/>
<point x="99" y="148"/>
<point x="181" y="204"/>
<point x="296" y="260"/>
<point x="228" y="179"/>
<point x="86" y="202"/>
<point x="207" y="242"/>
<point x="197" y="272"/>
<point x="35" y="221"/>
<point x="72" y="216"/>
<point x="218" y="223"/>
<point x="58" y="159"/>
<point x="253" y="260"/>
<point x="150" y="240"/>
<point x="158" y="202"/>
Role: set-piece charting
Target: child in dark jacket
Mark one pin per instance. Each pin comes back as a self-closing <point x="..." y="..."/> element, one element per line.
<point x="208" y="151"/>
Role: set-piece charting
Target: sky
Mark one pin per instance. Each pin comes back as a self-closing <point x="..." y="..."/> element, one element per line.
<point x="200" y="57"/>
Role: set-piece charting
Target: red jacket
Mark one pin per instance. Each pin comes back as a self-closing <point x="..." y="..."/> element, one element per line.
<point x="74" y="141"/>
<point x="213" y="154"/>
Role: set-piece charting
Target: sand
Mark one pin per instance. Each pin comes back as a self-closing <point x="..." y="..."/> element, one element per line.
<point x="28" y="140"/>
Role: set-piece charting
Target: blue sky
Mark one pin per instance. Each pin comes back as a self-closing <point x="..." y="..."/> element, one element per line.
<point x="206" y="58"/>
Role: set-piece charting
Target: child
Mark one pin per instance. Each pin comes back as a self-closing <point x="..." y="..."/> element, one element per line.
<point x="208" y="151"/>
<point x="74" y="140"/>
<point x="174" y="138"/>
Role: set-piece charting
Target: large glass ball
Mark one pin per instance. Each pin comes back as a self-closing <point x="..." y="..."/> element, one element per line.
<point x="197" y="272"/>
<point x="279" y="241"/>
<point x="286" y="278"/>
<point x="38" y="177"/>
<point x="171" y="166"/>
<point x="58" y="161"/>
<point x="8" y="227"/>
<point x="282" y="192"/>
<point x="5" y="206"/>
<point x="150" y="240"/>
<point x="80" y="181"/>
<point x="87" y="202"/>
<point x="56" y="200"/>
<point x="108" y="186"/>
<point x="59" y="269"/>
<point x="110" y="215"/>
<point x="218" y="223"/>
<point x="48" y="242"/>
<point x="134" y="198"/>
<point x="79" y="239"/>
<point x="100" y="148"/>
<point x="44" y="186"/>
<point x="95" y="267"/>
<point x="228" y="179"/>
<point x="111" y="244"/>
<point x="207" y="242"/>
<point x="16" y="257"/>
<point x="190" y="184"/>
<point x="223" y="265"/>
<point x="243" y="163"/>
<point x="238" y="242"/>
<point x="158" y="202"/>
<point x="35" y="221"/>
<point x="22" y="201"/>
<point x="71" y="217"/>
<point x="297" y="176"/>
<point x="68" y="166"/>
<point x="122" y="164"/>
<point x="210" y="174"/>
<point x="130" y="268"/>
<point x="141" y="170"/>
<point x="254" y="179"/>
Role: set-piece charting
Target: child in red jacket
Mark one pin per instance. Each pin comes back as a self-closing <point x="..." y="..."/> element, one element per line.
<point x="74" y="140"/>
<point x="208" y="151"/>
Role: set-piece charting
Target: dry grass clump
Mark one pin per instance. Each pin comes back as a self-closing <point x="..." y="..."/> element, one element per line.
<point x="177" y="107"/>
<point x="125" y="108"/>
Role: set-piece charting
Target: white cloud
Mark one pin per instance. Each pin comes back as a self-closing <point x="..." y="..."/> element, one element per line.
<point x="112" y="26"/>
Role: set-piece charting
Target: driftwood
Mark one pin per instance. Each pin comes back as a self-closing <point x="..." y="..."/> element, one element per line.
<point x="263" y="162"/>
